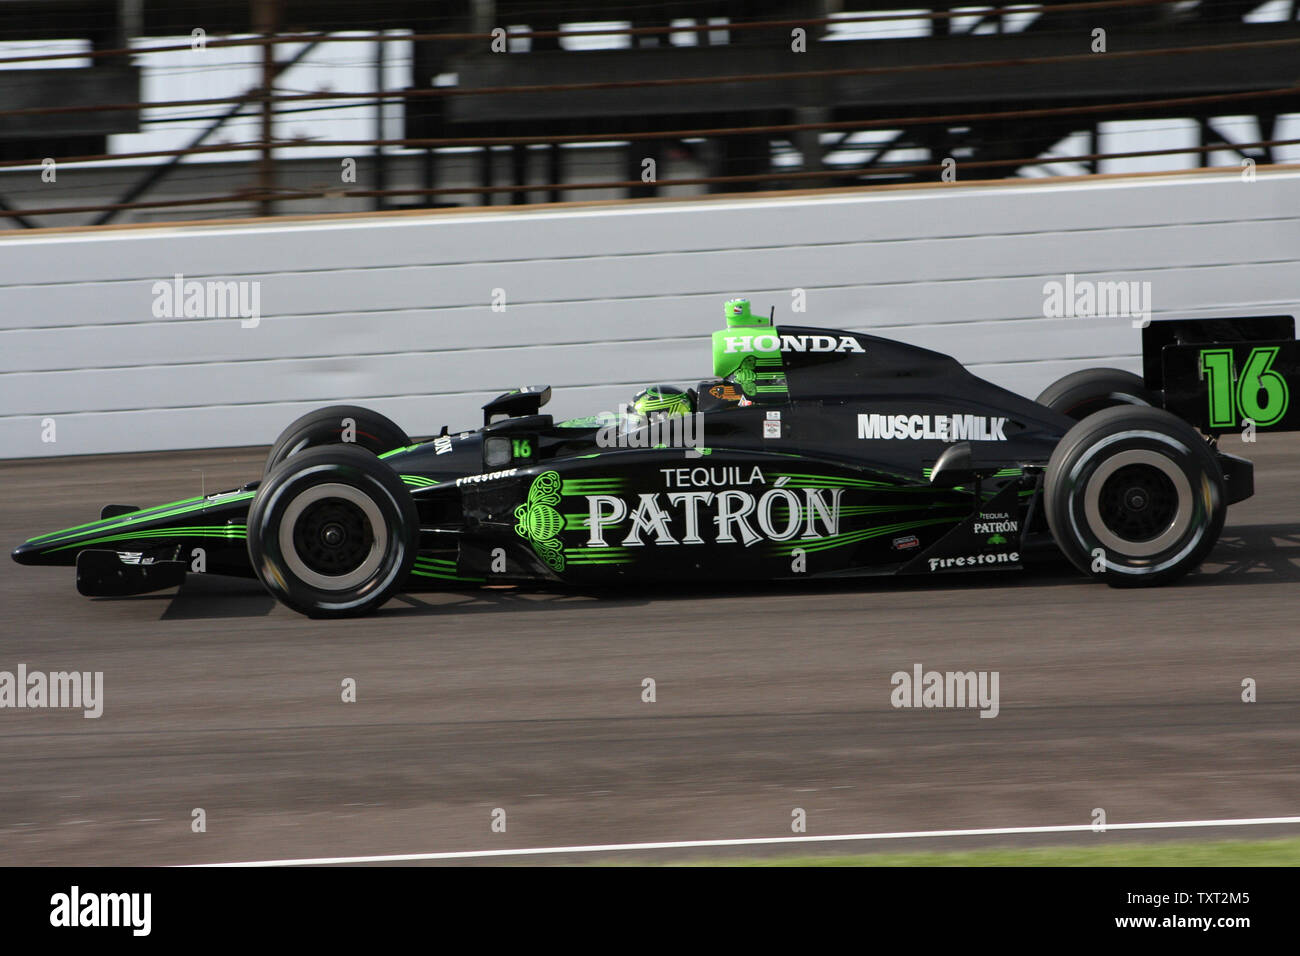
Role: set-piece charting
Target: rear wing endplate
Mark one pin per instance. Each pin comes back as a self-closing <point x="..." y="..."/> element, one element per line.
<point x="1226" y="374"/>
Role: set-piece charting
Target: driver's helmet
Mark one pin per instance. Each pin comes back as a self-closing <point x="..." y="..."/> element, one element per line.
<point x="657" y="402"/>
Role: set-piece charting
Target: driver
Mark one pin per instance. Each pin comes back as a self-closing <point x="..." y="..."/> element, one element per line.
<point x="664" y="413"/>
<point x="658" y="402"/>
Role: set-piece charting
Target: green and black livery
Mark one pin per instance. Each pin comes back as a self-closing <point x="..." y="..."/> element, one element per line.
<point x="821" y="454"/>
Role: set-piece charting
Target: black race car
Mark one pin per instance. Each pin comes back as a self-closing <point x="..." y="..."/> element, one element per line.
<point x="813" y="453"/>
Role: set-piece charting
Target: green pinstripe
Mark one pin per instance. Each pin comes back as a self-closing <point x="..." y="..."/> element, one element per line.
<point x="443" y="570"/>
<point x="234" y="531"/>
<point x="153" y="514"/>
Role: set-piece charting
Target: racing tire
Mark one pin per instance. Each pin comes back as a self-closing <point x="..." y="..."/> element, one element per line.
<point x="1079" y="394"/>
<point x="329" y="426"/>
<point x="1134" y="496"/>
<point x="332" y="532"/>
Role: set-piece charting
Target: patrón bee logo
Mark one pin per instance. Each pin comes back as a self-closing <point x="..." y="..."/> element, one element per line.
<point x="539" y="522"/>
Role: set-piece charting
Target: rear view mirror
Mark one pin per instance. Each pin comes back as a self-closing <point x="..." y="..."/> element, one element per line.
<point x="496" y="452"/>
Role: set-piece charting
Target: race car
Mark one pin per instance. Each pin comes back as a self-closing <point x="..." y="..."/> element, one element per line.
<point x="810" y="453"/>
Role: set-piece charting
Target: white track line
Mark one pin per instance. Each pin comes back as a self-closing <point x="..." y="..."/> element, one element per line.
<point x="758" y="841"/>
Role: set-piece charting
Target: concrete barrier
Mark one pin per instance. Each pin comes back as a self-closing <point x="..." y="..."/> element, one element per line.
<point x="396" y="312"/>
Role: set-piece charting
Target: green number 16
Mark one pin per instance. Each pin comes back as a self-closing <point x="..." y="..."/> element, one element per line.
<point x="1228" y="397"/>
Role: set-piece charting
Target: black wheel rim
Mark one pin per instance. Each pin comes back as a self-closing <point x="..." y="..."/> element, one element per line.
<point x="1138" y="502"/>
<point x="332" y="536"/>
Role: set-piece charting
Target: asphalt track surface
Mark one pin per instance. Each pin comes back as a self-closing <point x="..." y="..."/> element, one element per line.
<point x="768" y="699"/>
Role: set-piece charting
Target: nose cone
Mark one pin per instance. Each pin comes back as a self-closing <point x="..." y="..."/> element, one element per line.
<point x="27" y="553"/>
<point x="37" y="552"/>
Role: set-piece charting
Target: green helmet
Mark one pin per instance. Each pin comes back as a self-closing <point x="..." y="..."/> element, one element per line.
<point x="661" y="401"/>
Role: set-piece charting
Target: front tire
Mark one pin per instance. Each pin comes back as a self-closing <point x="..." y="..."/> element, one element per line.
<point x="331" y="532"/>
<point x="337" y="424"/>
<point x="1134" y="496"/>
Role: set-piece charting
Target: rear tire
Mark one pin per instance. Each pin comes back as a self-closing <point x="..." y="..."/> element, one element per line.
<point x="332" y="532"/>
<point x="1079" y="394"/>
<point x="1134" y="496"/>
<point x="330" y="426"/>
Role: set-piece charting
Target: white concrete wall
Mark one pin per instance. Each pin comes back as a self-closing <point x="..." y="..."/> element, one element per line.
<point x="395" y="312"/>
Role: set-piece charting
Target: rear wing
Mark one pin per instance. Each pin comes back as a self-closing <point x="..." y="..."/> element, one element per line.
<point x="1226" y="374"/>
